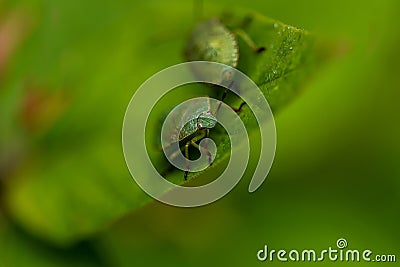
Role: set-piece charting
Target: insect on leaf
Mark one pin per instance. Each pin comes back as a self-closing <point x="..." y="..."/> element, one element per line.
<point x="74" y="181"/>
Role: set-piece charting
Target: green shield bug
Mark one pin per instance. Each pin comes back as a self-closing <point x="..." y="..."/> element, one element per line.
<point x="213" y="41"/>
<point x="209" y="41"/>
<point x="190" y="126"/>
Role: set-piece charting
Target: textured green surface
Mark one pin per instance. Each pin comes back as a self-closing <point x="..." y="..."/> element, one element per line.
<point x="64" y="180"/>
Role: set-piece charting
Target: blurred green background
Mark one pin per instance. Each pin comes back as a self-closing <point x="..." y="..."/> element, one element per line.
<point x="67" y="72"/>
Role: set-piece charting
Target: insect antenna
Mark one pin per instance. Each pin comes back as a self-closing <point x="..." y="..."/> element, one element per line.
<point x="198" y="10"/>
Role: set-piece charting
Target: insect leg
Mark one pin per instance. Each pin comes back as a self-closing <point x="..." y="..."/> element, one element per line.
<point x="206" y="147"/>
<point x="237" y="110"/>
<point x="187" y="160"/>
<point x="227" y="89"/>
<point x="193" y="143"/>
<point x="242" y="34"/>
<point x="224" y="95"/>
<point x="199" y="137"/>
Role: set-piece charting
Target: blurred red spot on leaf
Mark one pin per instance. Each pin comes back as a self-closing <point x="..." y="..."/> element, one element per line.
<point x="41" y="109"/>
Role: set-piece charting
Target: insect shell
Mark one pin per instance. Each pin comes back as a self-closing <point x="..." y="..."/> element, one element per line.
<point x="191" y="124"/>
<point x="201" y="118"/>
<point x="190" y="121"/>
<point x="212" y="41"/>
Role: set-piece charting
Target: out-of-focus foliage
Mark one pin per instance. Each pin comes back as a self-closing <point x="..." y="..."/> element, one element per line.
<point x="67" y="72"/>
<point x="73" y="181"/>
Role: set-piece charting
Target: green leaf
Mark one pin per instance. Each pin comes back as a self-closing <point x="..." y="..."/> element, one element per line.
<point x="281" y="72"/>
<point x="73" y="181"/>
<point x="19" y="249"/>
